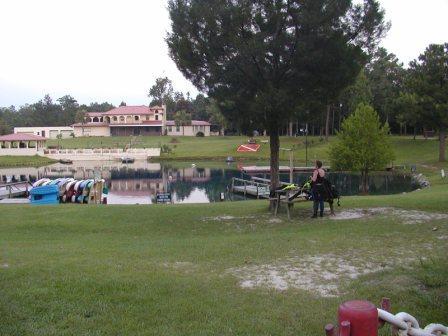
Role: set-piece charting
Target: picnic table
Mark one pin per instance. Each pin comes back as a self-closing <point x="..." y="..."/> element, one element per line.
<point x="288" y="197"/>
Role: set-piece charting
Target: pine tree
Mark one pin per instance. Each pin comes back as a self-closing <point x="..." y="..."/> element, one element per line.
<point x="362" y="144"/>
<point x="261" y="59"/>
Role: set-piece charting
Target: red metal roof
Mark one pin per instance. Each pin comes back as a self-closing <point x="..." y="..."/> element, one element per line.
<point x="132" y="110"/>
<point x="193" y="123"/>
<point x="21" y="137"/>
<point x="127" y="110"/>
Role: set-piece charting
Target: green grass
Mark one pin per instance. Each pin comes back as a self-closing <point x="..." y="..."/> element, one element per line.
<point x="208" y="148"/>
<point x="414" y="151"/>
<point x="24" y="161"/>
<point x="164" y="270"/>
<point x="218" y="148"/>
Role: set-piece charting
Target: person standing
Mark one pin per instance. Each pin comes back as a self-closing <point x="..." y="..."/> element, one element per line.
<point x="318" y="189"/>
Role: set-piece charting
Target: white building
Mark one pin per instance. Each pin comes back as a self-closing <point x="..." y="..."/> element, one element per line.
<point x="135" y="121"/>
<point x="46" y="132"/>
<point x="196" y="127"/>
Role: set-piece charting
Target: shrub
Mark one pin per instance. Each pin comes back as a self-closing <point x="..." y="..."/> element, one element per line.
<point x="362" y="144"/>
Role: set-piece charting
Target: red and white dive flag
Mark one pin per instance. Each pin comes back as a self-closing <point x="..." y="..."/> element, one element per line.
<point x="248" y="148"/>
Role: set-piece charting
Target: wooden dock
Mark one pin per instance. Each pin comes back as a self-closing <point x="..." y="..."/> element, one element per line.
<point x="250" y="188"/>
<point x="14" y="189"/>
<point x="15" y="201"/>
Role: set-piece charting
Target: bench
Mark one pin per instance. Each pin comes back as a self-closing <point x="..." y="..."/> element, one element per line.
<point x="287" y="197"/>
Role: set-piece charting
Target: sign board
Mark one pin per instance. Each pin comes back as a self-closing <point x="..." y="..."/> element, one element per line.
<point x="248" y="148"/>
<point x="163" y="198"/>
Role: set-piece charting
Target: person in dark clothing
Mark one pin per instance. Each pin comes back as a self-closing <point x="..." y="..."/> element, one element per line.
<point x="318" y="189"/>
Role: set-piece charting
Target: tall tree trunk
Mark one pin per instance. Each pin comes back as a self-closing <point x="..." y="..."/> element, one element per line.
<point x="442" y="144"/>
<point x="415" y="132"/>
<point x="274" y="142"/>
<point x="327" y="123"/>
<point x="290" y="128"/>
<point x="364" y="182"/>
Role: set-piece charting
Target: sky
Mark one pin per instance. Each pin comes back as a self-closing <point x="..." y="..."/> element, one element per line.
<point x="112" y="50"/>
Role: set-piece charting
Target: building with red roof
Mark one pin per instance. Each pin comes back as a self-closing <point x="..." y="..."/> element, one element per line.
<point x="21" y="144"/>
<point x="135" y="121"/>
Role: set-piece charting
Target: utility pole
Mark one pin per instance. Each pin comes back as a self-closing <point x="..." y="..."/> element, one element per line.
<point x="291" y="163"/>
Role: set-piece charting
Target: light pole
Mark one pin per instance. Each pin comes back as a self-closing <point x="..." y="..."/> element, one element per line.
<point x="291" y="163"/>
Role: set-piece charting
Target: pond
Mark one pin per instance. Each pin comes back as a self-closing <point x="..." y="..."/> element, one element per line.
<point x="204" y="182"/>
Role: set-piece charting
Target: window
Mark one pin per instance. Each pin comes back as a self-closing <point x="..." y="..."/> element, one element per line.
<point x="122" y="119"/>
<point x="115" y="119"/>
<point x="136" y="118"/>
<point x="170" y="128"/>
<point x="147" y="117"/>
<point x="177" y="128"/>
<point x="157" y="117"/>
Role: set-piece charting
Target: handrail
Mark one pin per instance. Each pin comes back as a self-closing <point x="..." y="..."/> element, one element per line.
<point x="10" y="184"/>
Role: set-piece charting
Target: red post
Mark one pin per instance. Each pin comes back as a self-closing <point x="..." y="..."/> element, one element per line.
<point x="329" y="330"/>
<point x="358" y="318"/>
<point x="345" y="328"/>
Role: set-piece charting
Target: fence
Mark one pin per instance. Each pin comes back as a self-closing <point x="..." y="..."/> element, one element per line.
<point x="362" y="318"/>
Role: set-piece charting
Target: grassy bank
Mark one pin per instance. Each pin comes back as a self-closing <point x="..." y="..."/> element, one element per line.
<point x="24" y="161"/>
<point x="218" y="148"/>
<point x="208" y="148"/>
<point x="178" y="270"/>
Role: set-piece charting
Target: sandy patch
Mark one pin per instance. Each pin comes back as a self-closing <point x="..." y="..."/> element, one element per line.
<point x="322" y="274"/>
<point x="5" y="266"/>
<point x="407" y="216"/>
<point x="318" y="274"/>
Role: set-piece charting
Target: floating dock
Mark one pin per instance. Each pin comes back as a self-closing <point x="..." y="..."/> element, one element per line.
<point x="250" y="188"/>
<point x="14" y="189"/>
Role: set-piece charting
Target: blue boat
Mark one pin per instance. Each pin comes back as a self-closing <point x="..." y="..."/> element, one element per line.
<point x="48" y="194"/>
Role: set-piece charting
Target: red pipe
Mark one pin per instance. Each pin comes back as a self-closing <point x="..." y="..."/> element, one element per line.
<point x="358" y="318"/>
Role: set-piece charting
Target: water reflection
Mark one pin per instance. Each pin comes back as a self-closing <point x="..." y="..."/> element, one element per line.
<point x="138" y="183"/>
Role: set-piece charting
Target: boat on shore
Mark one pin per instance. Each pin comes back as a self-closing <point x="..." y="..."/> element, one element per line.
<point x="126" y="160"/>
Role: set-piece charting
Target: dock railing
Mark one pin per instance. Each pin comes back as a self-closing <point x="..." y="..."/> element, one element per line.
<point x="14" y="189"/>
<point x="250" y="187"/>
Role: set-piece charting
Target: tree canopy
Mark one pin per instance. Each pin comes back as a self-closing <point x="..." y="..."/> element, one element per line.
<point x="260" y="59"/>
<point x="182" y="118"/>
<point x="429" y="80"/>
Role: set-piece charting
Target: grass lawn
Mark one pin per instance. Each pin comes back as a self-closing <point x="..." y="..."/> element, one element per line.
<point x="24" y="161"/>
<point x="207" y="148"/>
<point x="212" y="270"/>
<point x="218" y="148"/>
